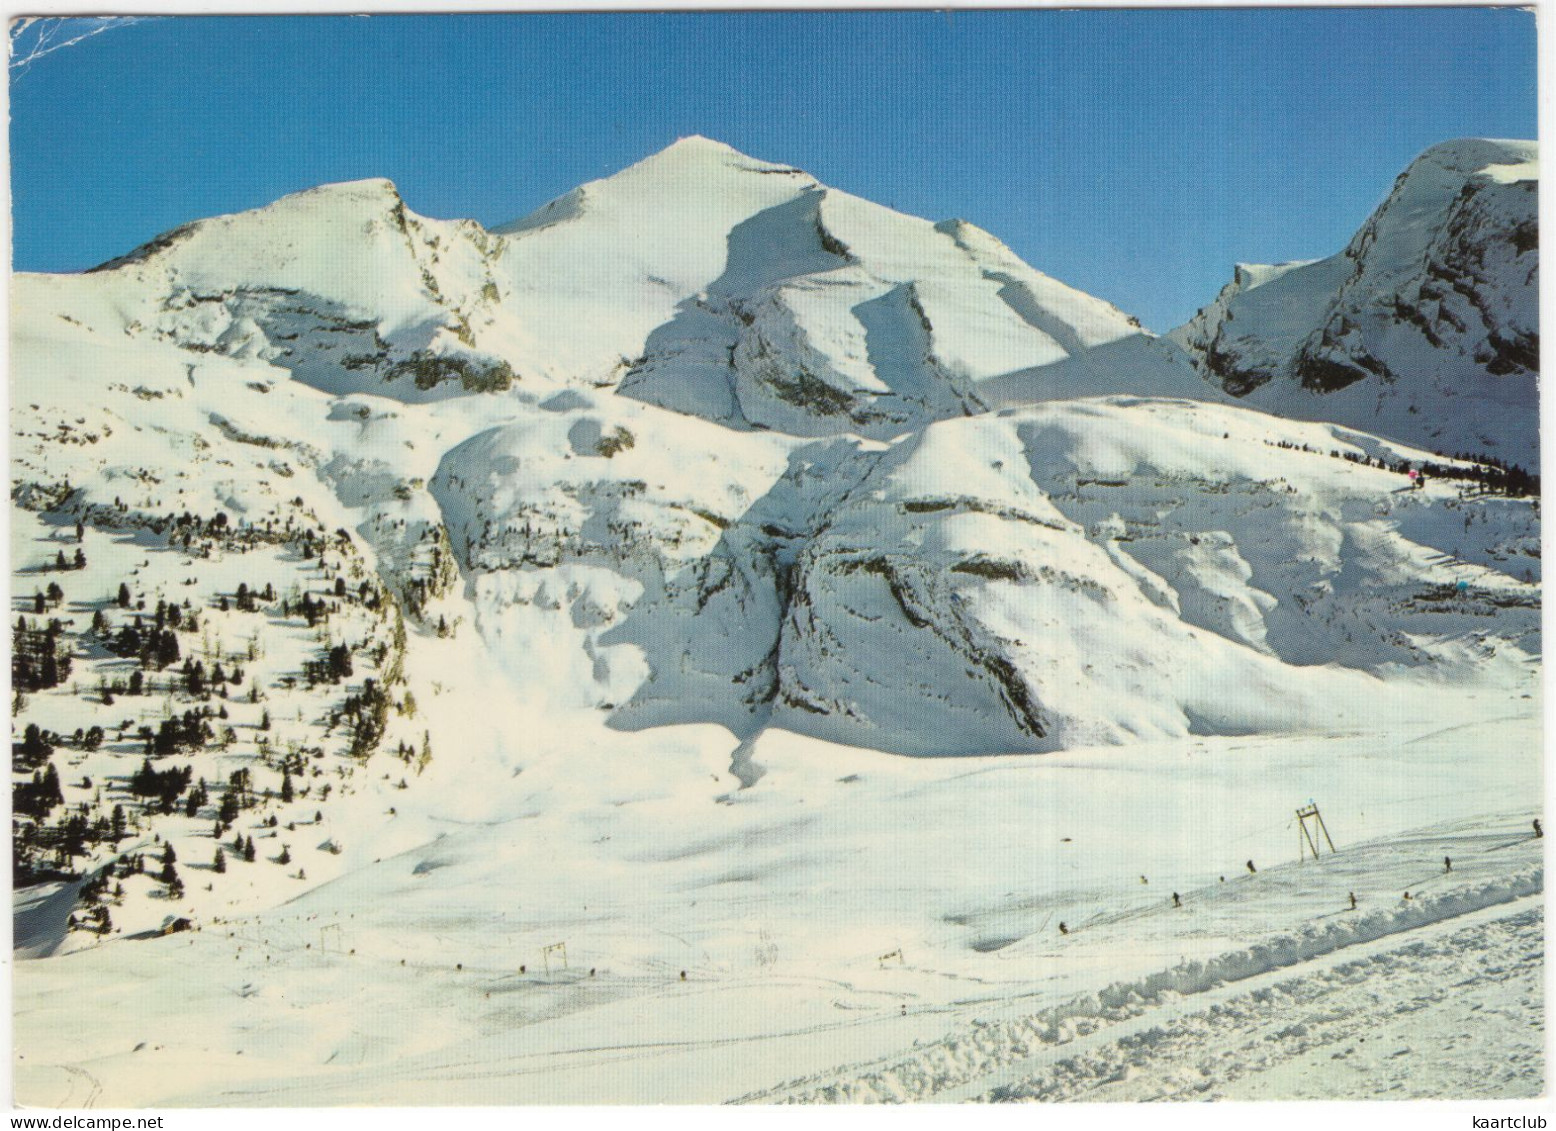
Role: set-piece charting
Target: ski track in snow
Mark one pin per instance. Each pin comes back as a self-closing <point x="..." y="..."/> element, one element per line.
<point x="1435" y="987"/>
<point x="1418" y="1000"/>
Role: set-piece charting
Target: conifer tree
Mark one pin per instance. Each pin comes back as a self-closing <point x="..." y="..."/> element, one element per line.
<point x="51" y="792"/>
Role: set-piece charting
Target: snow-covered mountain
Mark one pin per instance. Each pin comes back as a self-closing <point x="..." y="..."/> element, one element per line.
<point x="1425" y="327"/>
<point x="698" y="279"/>
<point x="848" y="534"/>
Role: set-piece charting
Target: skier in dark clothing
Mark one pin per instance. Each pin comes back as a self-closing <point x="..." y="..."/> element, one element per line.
<point x="1063" y="930"/>
<point x="1353" y="901"/>
<point x="1447" y="864"/>
<point x="1176" y="902"/>
<point x="1538" y="831"/>
<point x="1251" y="869"/>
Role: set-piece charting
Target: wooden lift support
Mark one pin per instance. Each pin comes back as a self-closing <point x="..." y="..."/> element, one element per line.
<point x="1306" y="838"/>
<point x="546" y="952"/>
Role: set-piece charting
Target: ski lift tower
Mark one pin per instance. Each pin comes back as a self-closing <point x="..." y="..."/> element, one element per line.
<point x="329" y="939"/>
<point x="1307" y="836"/>
<point x="557" y="949"/>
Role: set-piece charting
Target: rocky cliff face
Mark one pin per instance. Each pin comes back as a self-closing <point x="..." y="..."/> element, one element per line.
<point x="1425" y="327"/>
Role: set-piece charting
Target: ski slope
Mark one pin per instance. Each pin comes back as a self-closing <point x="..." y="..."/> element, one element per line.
<point x="780" y="902"/>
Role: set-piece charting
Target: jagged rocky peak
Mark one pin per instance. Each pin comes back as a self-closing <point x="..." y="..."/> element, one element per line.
<point x="1425" y="326"/>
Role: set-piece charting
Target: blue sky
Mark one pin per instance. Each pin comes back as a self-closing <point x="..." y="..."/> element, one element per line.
<point x="1134" y="154"/>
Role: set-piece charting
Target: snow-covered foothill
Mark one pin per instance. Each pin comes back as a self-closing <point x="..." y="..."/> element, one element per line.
<point x="1009" y="568"/>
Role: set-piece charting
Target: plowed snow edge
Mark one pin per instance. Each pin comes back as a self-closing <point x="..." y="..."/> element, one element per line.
<point x="986" y="1057"/>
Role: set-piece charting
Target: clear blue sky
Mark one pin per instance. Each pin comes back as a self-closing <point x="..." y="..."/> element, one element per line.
<point x="1134" y="154"/>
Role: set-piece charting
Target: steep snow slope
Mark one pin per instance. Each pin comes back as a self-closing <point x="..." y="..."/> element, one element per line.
<point x="276" y="525"/>
<point x="1425" y="328"/>
<point x="834" y="314"/>
<point x="1140" y="364"/>
<point x="341" y="284"/>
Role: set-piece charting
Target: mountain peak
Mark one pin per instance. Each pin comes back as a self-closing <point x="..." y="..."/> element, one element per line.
<point x="370" y="195"/>
<point x="698" y="155"/>
<point x="690" y="169"/>
<point x="1474" y="154"/>
<point x="366" y="187"/>
<point x="694" y="143"/>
